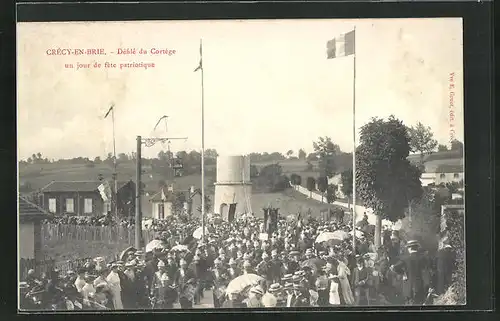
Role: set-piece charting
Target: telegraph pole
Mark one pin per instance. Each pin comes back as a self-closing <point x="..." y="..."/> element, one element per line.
<point x="148" y="142"/>
<point x="138" y="212"/>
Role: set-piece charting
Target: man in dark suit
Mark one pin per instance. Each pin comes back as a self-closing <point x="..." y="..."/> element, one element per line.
<point x="445" y="266"/>
<point x="360" y="281"/>
<point x="219" y="280"/>
<point x="413" y="266"/>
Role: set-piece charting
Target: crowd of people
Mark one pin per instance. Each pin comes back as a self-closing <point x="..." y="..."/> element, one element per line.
<point x="99" y="220"/>
<point x="300" y="263"/>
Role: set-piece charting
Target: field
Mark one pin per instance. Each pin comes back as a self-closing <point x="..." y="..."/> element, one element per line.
<point x="39" y="176"/>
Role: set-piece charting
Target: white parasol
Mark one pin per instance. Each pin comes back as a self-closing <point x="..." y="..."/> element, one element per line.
<point x="155" y="244"/>
<point x="242" y="282"/>
<point x="325" y="237"/>
<point x="180" y="248"/>
<point x="340" y="235"/>
<point x="198" y="233"/>
<point x="359" y="234"/>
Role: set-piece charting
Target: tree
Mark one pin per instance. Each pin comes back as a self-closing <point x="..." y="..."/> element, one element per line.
<point x="302" y="154"/>
<point x="122" y="158"/>
<point x="326" y="151"/>
<point x="322" y="183"/>
<point x="330" y="193"/>
<point x="457" y="145"/>
<point x="346" y="178"/>
<point x="421" y="140"/>
<point x="254" y="171"/>
<point x="442" y="148"/>
<point x="272" y="179"/>
<point x="289" y="153"/>
<point x="312" y="157"/>
<point x="311" y="185"/>
<point x="385" y="179"/>
<point x="97" y="160"/>
<point x="298" y="180"/>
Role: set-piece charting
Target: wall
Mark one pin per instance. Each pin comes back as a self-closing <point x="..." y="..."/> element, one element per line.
<point x="26" y="240"/>
<point x="360" y="210"/>
<point x="228" y="194"/>
<point x="448" y="178"/>
<point x="79" y="202"/>
<point x="428" y="178"/>
<point x="233" y="169"/>
<point x="168" y="210"/>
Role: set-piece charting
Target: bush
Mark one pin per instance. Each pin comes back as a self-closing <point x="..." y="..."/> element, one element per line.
<point x="456" y="293"/>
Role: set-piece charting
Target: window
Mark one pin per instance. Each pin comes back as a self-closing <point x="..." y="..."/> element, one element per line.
<point x="161" y="211"/>
<point x="52" y="205"/>
<point x="442" y="176"/>
<point x="70" y="205"/>
<point x="455" y="175"/>
<point x="87" y="208"/>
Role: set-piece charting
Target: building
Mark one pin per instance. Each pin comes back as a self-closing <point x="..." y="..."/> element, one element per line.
<point x="442" y="174"/>
<point x="86" y="198"/>
<point x="162" y="203"/>
<point x="30" y="216"/>
<point x="233" y="188"/>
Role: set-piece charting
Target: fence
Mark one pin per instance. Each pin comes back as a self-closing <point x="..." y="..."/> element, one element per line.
<point x="109" y="234"/>
<point x="47" y="265"/>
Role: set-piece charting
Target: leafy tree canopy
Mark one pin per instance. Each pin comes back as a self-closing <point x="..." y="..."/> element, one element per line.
<point x="421" y="139"/>
<point x="346" y="178"/>
<point x="326" y="151"/>
<point x="384" y="177"/>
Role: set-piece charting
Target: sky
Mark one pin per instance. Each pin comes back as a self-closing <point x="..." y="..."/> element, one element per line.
<point x="267" y="84"/>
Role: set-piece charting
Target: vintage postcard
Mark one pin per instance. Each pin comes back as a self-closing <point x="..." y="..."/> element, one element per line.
<point x="240" y="164"/>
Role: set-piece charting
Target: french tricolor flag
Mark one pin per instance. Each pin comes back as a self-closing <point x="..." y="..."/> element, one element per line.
<point x="341" y="46"/>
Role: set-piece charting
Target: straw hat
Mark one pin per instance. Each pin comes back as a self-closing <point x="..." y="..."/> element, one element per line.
<point x="275" y="287"/>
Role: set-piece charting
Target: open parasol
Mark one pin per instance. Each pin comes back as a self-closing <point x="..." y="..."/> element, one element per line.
<point x="125" y="252"/>
<point x="243" y="282"/>
<point x="359" y="234"/>
<point x="340" y="235"/>
<point x="325" y="236"/>
<point x="180" y="248"/>
<point x="155" y="244"/>
<point x="198" y="233"/>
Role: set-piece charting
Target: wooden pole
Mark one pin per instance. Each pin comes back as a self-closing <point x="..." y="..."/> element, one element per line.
<point x="202" y="147"/>
<point x="138" y="214"/>
<point x="354" y="152"/>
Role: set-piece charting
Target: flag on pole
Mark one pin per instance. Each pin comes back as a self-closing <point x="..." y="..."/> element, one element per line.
<point x="200" y="66"/>
<point x="109" y="110"/>
<point x="341" y="46"/>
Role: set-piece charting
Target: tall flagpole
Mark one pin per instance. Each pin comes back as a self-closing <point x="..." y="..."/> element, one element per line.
<point x="115" y="175"/>
<point x="354" y="151"/>
<point x="202" y="147"/>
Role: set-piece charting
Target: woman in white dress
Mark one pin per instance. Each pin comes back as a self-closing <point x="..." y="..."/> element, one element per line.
<point x="113" y="280"/>
<point x="334" y="296"/>
<point x="343" y="274"/>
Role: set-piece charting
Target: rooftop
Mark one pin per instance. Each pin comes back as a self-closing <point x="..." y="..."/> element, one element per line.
<point x="28" y="210"/>
<point x="76" y="186"/>
<point x="449" y="168"/>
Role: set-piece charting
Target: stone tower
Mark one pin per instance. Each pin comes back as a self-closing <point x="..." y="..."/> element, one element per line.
<point x="233" y="188"/>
